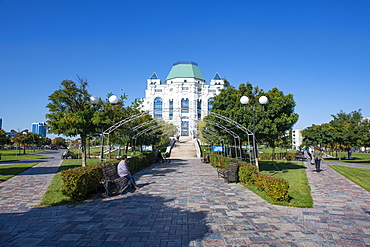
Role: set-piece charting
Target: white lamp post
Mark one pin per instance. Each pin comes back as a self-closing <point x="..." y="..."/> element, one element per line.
<point x="95" y="100"/>
<point x="263" y="101"/>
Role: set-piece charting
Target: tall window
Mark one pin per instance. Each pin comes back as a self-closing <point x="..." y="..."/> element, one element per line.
<point x="184" y="105"/>
<point x="158" y="108"/>
<point x="171" y="109"/>
<point x="199" y="108"/>
<point x="210" y="100"/>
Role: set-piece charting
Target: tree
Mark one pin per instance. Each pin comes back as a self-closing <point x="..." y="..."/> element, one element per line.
<point x="59" y="141"/>
<point x="70" y="112"/>
<point x="4" y="139"/>
<point x="344" y="131"/>
<point x="272" y="120"/>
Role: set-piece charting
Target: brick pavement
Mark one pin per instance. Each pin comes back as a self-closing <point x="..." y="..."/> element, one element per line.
<point x="184" y="204"/>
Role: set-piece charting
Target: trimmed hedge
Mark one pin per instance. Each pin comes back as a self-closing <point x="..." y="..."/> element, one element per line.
<point x="81" y="182"/>
<point x="275" y="187"/>
<point x="280" y="156"/>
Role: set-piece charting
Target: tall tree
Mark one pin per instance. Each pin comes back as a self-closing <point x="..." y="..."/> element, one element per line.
<point x="272" y="120"/>
<point x="70" y="112"/>
<point x="4" y="139"/>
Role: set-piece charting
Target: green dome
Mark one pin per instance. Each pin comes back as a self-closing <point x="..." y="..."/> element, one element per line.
<point x="185" y="70"/>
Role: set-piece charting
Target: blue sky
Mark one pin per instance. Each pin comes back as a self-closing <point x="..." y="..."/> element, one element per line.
<point x="319" y="51"/>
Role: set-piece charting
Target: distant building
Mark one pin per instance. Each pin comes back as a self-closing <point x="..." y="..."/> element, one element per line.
<point x="1" y="123"/>
<point x="297" y="139"/>
<point x="184" y="98"/>
<point x="39" y="128"/>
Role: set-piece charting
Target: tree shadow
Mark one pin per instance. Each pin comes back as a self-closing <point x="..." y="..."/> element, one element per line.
<point x="283" y="167"/>
<point x="132" y="219"/>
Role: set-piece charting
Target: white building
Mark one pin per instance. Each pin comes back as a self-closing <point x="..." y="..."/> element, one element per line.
<point x="297" y="139"/>
<point x="184" y="98"/>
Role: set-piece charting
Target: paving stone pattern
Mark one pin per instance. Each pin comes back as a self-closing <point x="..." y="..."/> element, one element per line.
<point x="184" y="203"/>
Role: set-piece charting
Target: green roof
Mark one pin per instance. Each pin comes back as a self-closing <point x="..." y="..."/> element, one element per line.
<point x="185" y="70"/>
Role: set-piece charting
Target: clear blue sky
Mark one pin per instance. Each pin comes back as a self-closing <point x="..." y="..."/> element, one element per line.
<point x="317" y="50"/>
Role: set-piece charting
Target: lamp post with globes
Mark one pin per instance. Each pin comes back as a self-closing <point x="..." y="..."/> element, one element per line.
<point x="113" y="100"/>
<point x="263" y="101"/>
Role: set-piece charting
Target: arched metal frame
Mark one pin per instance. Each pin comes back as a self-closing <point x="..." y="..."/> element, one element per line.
<point x="235" y="136"/>
<point x="228" y="120"/>
<point x="207" y="131"/>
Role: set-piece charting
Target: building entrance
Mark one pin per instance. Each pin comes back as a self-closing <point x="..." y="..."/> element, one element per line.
<point x="185" y="128"/>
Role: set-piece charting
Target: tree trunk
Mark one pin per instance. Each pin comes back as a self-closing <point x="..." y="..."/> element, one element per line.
<point x="83" y="149"/>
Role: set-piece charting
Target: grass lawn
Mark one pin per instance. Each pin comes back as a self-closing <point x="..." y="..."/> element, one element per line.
<point x="359" y="176"/>
<point x="53" y="195"/>
<point x="9" y="171"/>
<point x="14" y="155"/>
<point x="358" y="158"/>
<point x="295" y="173"/>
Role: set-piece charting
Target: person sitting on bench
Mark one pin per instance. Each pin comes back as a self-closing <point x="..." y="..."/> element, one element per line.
<point x="123" y="171"/>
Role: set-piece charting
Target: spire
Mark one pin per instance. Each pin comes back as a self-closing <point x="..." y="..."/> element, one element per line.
<point x="217" y="77"/>
<point x="154" y="76"/>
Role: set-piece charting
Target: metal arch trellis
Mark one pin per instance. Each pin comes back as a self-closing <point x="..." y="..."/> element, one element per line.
<point x="143" y="124"/>
<point x="153" y="129"/>
<point x="122" y="122"/>
<point x="236" y="137"/>
<point x="236" y="124"/>
<point x="211" y="134"/>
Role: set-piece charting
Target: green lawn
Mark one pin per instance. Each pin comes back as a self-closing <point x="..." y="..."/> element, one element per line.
<point x="295" y="173"/>
<point x="359" y="176"/>
<point x="9" y="171"/>
<point x="358" y="158"/>
<point x="53" y="195"/>
<point x="15" y="155"/>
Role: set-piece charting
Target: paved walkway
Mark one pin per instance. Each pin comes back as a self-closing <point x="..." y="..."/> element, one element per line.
<point x="184" y="204"/>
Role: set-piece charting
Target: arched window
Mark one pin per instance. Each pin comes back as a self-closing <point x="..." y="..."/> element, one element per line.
<point x="171" y="109"/>
<point x="184" y="105"/>
<point x="210" y="100"/>
<point x="158" y="108"/>
<point x="199" y="108"/>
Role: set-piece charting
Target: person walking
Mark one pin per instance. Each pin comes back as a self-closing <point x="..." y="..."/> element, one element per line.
<point x="123" y="171"/>
<point x="317" y="155"/>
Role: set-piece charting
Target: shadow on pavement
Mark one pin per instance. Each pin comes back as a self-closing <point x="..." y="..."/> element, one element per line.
<point x="136" y="219"/>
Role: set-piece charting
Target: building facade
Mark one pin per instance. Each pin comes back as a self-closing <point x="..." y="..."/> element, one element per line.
<point x="39" y="128"/>
<point x="184" y="98"/>
<point x="297" y="139"/>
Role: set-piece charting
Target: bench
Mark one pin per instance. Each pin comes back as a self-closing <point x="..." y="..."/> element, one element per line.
<point x="300" y="157"/>
<point x="230" y="174"/>
<point x="112" y="182"/>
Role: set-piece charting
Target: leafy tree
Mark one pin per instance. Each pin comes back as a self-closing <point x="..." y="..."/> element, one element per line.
<point x="344" y="131"/>
<point x="59" y="141"/>
<point x="4" y="139"/>
<point x="272" y="120"/>
<point x="70" y="112"/>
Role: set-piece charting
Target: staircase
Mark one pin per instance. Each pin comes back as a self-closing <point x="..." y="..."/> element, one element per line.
<point x="184" y="148"/>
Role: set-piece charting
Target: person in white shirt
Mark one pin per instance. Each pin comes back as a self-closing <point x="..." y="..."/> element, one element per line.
<point x="123" y="171"/>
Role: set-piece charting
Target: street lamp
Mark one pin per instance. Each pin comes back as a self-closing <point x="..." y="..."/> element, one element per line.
<point x="95" y="100"/>
<point x="263" y="101"/>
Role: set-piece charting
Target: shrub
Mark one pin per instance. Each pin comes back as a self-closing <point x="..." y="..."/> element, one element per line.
<point x="275" y="187"/>
<point x="246" y="173"/>
<point x="268" y="156"/>
<point x="218" y="160"/>
<point x="79" y="183"/>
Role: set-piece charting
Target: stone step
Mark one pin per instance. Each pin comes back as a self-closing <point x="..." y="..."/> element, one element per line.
<point x="184" y="148"/>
